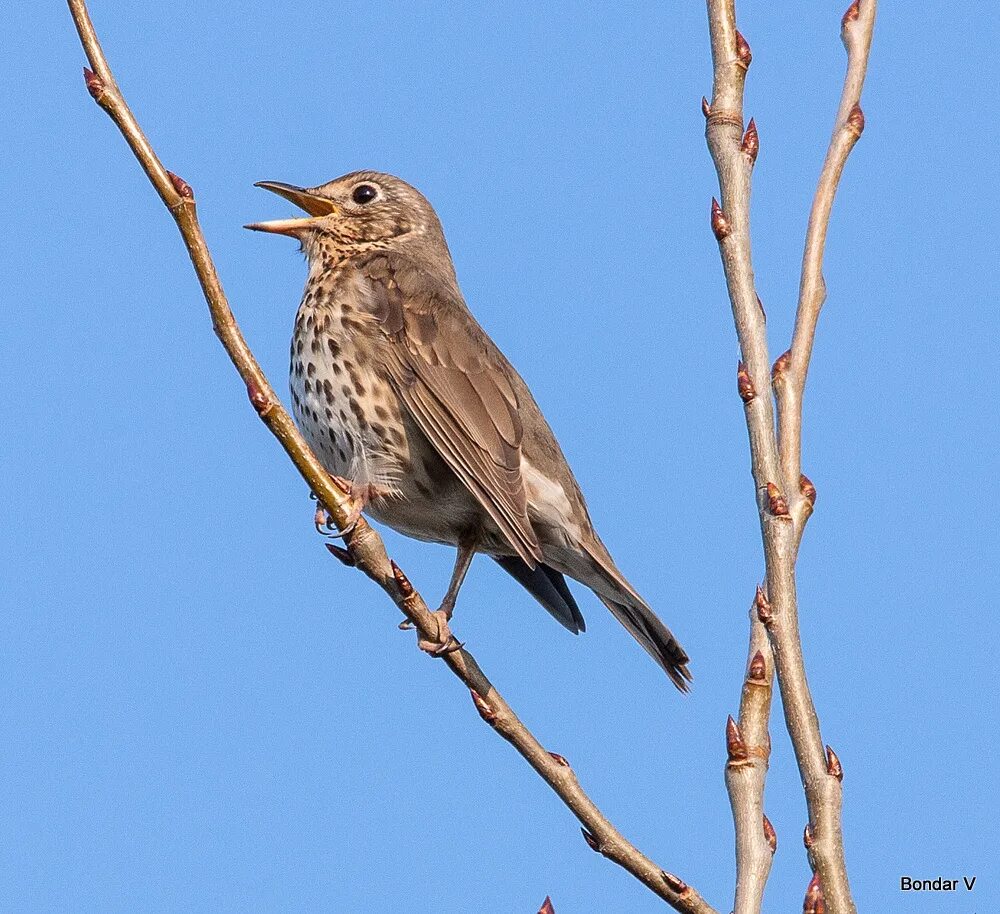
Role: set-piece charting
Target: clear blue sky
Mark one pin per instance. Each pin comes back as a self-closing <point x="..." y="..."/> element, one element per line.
<point x="201" y="711"/>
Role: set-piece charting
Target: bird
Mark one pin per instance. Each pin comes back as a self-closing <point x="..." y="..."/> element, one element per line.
<point x="418" y="415"/>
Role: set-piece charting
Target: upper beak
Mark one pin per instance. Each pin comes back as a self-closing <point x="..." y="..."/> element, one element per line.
<point x="305" y="199"/>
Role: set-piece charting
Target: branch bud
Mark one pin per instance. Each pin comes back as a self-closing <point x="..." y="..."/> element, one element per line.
<point x="807" y="489"/>
<point x="706" y="108"/>
<point x="674" y="883"/>
<point x="486" y="712"/>
<point x="546" y="907"/>
<point x="853" y="11"/>
<point x="776" y="503"/>
<point x="559" y="760"/>
<point x="258" y="399"/>
<point x="720" y="225"/>
<point x="814" y="902"/>
<point x="758" y="668"/>
<point x="402" y="582"/>
<point x="770" y="835"/>
<point x="181" y="186"/>
<point x="760" y="305"/>
<point x="743" y="54"/>
<point x="591" y="840"/>
<point x="807" y="837"/>
<point x="833" y="766"/>
<point x="856" y="121"/>
<point x="95" y="85"/>
<point x="342" y="555"/>
<point x="751" y="142"/>
<point x="780" y="366"/>
<point x="744" y="385"/>
<point x="763" y="606"/>
<point x="736" y="748"/>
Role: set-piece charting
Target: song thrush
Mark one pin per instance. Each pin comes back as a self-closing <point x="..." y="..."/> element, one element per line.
<point x="403" y="395"/>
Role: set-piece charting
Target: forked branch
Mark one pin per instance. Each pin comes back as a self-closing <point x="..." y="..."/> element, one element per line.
<point x="365" y="548"/>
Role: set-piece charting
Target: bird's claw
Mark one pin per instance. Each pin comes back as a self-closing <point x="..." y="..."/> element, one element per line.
<point x="325" y="526"/>
<point x="445" y="643"/>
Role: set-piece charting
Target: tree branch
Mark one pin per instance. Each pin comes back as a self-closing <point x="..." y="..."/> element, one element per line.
<point x="365" y="547"/>
<point x="784" y="497"/>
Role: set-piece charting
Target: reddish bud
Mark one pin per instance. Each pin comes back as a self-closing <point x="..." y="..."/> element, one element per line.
<point x="807" y="489"/>
<point x="258" y="399"/>
<point x="780" y="366"/>
<point x="181" y="186"/>
<point x="743" y="51"/>
<point x="736" y="748"/>
<point x="853" y="11"/>
<point x="720" y="225"/>
<point x="674" y="883"/>
<point x="833" y="766"/>
<point x="592" y="841"/>
<point x="856" y="121"/>
<point x="743" y="384"/>
<point x="763" y="606"/>
<point x="751" y="142"/>
<point x="758" y="668"/>
<point x="706" y="108"/>
<point x="95" y="85"/>
<point x="559" y="760"/>
<point x="486" y="712"/>
<point x="546" y="907"/>
<point x="770" y="835"/>
<point x="776" y="503"/>
<point x="342" y="555"/>
<point x="402" y="582"/>
<point x="807" y="836"/>
<point x="814" y="903"/>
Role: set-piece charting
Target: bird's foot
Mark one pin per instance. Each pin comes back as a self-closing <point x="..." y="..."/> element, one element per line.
<point x="324" y="523"/>
<point x="445" y="642"/>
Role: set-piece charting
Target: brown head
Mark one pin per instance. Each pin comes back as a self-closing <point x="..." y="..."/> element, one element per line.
<point x="360" y="211"/>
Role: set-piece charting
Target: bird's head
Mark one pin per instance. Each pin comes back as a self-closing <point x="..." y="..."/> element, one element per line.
<point x="359" y="211"/>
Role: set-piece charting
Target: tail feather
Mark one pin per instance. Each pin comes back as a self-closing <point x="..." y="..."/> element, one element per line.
<point x="547" y="586"/>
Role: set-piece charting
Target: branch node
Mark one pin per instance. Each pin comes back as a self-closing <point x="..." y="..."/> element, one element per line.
<point x="743" y="54"/>
<point x="814" y="902"/>
<point x="770" y="835"/>
<point x="259" y="400"/>
<point x="763" y="606"/>
<point x="744" y="385"/>
<point x="751" y="142"/>
<point x="833" y="766"/>
<point x="342" y="555"/>
<point x="591" y="840"/>
<point x="856" y="121"/>
<point x="776" y="502"/>
<point x="95" y="85"/>
<point x="181" y="186"/>
<point x="403" y="584"/>
<point x="559" y="760"/>
<point x="807" y="488"/>
<point x="485" y="709"/>
<point x="736" y="748"/>
<point x="675" y="883"/>
<point x="720" y="225"/>
<point x="758" y="668"/>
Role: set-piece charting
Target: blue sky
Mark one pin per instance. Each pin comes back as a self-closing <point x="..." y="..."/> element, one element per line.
<point x="203" y="712"/>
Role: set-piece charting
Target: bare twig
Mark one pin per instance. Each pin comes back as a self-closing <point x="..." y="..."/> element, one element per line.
<point x="745" y="776"/>
<point x="365" y="547"/>
<point x="785" y="497"/>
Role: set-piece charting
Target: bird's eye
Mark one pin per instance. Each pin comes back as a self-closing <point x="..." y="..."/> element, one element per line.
<point x="364" y="193"/>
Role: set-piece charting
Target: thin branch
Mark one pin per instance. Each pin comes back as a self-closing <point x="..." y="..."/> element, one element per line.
<point x="857" y="28"/>
<point x="746" y="770"/>
<point x="784" y="497"/>
<point x="365" y="547"/>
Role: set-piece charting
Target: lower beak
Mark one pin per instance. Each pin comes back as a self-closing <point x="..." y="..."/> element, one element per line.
<point x="313" y="203"/>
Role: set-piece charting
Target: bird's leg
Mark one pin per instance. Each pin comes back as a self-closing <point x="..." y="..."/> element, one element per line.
<point x="359" y="497"/>
<point x="445" y="642"/>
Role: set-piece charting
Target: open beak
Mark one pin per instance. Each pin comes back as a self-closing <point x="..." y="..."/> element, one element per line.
<point x="307" y="200"/>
